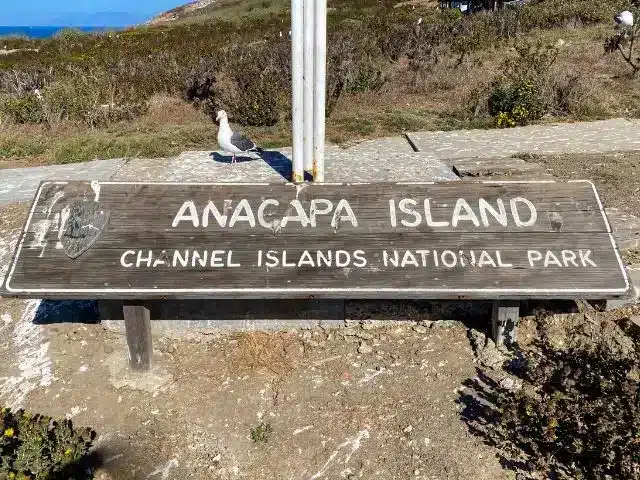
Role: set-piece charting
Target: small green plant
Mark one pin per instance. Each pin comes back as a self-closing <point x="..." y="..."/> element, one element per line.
<point x="261" y="433"/>
<point x="36" y="447"/>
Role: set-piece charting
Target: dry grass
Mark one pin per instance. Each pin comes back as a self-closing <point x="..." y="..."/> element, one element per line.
<point x="431" y="99"/>
<point x="631" y="257"/>
<point x="273" y="352"/>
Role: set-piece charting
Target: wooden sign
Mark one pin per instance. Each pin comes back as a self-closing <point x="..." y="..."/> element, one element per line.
<point x="448" y="240"/>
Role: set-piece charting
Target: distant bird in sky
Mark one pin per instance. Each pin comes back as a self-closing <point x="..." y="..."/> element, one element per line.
<point x="624" y="19"/>
<point x="231" y="142"/>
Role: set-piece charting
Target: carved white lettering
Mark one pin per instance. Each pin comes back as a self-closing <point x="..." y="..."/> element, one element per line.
<point x="182" y="214"/>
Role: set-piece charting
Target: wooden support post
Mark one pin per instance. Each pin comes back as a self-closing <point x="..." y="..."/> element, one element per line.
<point x="505" y="317"/>
<point x="137" y="324"/>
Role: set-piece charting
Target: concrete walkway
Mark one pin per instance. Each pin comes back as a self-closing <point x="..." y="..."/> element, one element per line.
<point x="584" y="137"/>
<point x="386" y="159"/>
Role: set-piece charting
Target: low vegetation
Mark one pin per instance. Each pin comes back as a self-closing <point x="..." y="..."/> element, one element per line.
<point x="36" y="447"/>
<point x="261" y="432"/>
<point x="386" y="74"/>
<point x="577" y="415"/>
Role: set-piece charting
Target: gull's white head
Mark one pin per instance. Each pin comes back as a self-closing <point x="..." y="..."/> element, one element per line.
<point x="221" y="114"/>
<point x="624" y="19"/>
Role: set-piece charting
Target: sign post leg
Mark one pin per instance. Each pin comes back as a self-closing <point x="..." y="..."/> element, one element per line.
<point x="137" y="324"/>
<point x="319" y="89"/>
<point x="297" y="89"/>
<point x="505" y="317"/>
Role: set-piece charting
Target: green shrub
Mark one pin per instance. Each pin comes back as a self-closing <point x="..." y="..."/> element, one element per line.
<point x="578" y="416"/>
<point x="25" y="108"/>
<point x="518" y="95"/>
<point x="562" y="13"/>
<point x="37" y="447"/>
<point x="365" y="76"/>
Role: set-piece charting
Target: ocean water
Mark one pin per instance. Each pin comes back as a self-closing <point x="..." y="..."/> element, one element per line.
<point x="43" y="32"/>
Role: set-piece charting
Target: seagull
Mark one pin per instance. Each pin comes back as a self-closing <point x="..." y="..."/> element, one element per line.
<point x="231" y="142"/>
<point x="624" y="19"/>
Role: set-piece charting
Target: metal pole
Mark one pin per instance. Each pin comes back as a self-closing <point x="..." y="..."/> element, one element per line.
<point x="308" y="84"/>
<point x="297" y="40"/>
<point x="320" y="71"/>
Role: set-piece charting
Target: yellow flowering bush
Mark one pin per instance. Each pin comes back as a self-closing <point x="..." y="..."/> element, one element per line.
<point x="37" y="447"/>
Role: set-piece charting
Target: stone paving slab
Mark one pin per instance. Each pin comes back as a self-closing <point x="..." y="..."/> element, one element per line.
<point x="634" y="298"/>
<point x="363" y="164"/>
<point x="197" y="166"/>
<point x="626" y="228"/>
<point x="20" y="184"/>
<point x="385" y="144"/>
<point x="582" y="137"/>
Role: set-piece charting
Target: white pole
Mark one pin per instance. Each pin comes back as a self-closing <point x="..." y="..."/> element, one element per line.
<point x="308" y="84"/>
<point x="320" y="71"/>
<point x="297" y="19"/>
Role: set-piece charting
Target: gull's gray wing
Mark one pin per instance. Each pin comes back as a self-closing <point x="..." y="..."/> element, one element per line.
<point x="242" y="142"/>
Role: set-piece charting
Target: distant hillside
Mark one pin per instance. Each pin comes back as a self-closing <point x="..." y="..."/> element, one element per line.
<point x="231" y="10"/>
<point x="181" y="12"/>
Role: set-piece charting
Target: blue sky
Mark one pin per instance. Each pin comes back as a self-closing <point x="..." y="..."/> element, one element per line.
<point x="81" y="12"/>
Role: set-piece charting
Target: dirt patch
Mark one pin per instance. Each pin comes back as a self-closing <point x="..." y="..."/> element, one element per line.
<point x="631" y="257"/>
<point x="333" y="413"/>
<point x="616" y="175"/>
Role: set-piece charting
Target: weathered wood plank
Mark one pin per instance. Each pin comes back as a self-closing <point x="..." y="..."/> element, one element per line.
<point x="526" y="240"/>
<point x="137" y="323"/>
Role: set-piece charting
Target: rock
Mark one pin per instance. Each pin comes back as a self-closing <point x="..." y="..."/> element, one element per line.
<point x="478" y="340"/>
<point x="490" y="356"/>
<point x="364" y="336"/>
<point x="306" y="335"/>
<point x="364" y="348"/>
<point x="420" y="329"/>
<point x="349" y="332"/>
<point x="408" y="429"/>
<point x="425" y="323"/>
<point x="447" y="324"/>
<point x="510" y="384"/>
